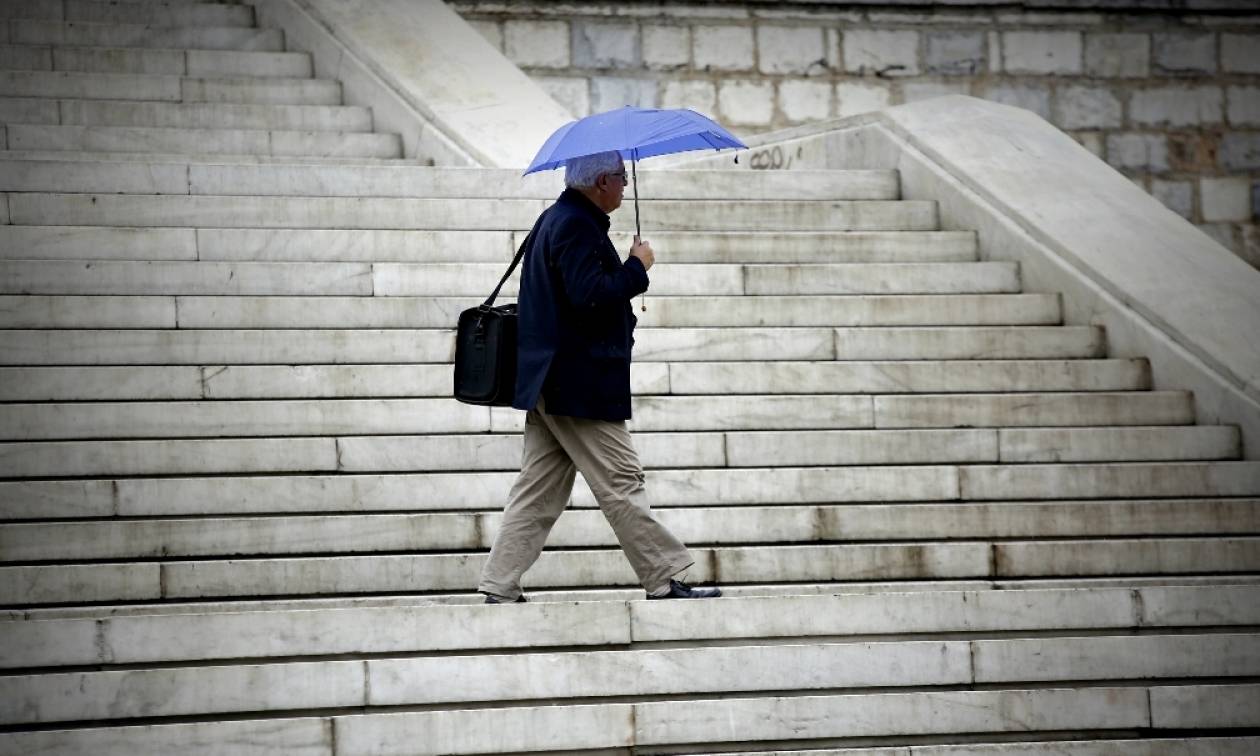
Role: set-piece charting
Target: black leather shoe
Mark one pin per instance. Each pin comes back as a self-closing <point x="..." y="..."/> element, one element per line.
<point x="492" y="600"/>
<point x="679" y="590"/>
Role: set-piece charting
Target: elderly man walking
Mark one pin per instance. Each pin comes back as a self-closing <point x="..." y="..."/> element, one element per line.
<point x="574" y="338"/>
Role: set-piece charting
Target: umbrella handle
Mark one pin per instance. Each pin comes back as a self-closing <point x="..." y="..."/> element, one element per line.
<point x="638" y="233"/>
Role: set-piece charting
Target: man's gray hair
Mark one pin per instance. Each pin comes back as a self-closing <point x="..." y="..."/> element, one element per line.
<point x="583" y="172"/>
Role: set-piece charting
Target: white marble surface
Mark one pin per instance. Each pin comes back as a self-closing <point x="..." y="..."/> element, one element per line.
<point x="800" y="717"/>
<point x="860" y="447"/>
<point x="334" y="493"/>
<point x="111" y="277"/>
<point x="1189" y="746"/>
<point x="1128" y="557"/>
<point x="1224" y="605"/>
<point x="719" y="412"/>
<point x="261" y="90"/>
<point x="274" y="212"/>
<point x="55" y="584"/>
<point x="172" y="15"/>
<point x="853" y="562"/>
<point x="746" y="215"/>
<point x="546" y="729"/>
<point x="51" y="643"/>
<point x="94" y="242"/>
<point x="1111" y="480"/>
<point x="503" y="452"/>
<point x="722" y="246"/>
<point x="25" y="500"/>
<point x="196" y="456"/>
<point x="208" y="141"/>
<point x="29" y="699"/>
<point x="446" y="181"/>
<point x="129" y="540"/>
<point x="454" y="679"/>
<point x="331" y="245"/>
<point x="28" y="109"/>
<point x="363" y="630"/>
<point x="884" y="278"/>
<point x="51" y="176"/>
<point x="888" y="612"/>
<point x="942" y="343"/>
<point x="1183" y="443"/>
<point x="908" y="376"/>
<point x="96" y="86"/>
<point x="1044" y="409"/>
<point x="667" y="344"/>
<point x="138" y="35"/>
<point x="216" y="347"/>
<point x="1116" y="657"/>
<point x="51" y="383"/>
<point x="478" y="280"/>
<point x="222" y="115"/>
<point x="298" y="737"/>
<point x="35" y="311"/>
<point x="1205" y="706"/>
<point x="183" y="420"/>
<point x="853" y="310"/>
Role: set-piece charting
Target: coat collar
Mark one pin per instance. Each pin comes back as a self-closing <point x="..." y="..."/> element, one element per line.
<point x="576" y="199"/>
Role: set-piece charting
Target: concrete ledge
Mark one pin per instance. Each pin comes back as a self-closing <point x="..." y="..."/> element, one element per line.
<point x="427" y="74"/>
<point x="1161" y="288"/>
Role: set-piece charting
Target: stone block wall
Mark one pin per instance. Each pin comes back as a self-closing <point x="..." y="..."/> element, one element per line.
<point x="1172" y="99"/>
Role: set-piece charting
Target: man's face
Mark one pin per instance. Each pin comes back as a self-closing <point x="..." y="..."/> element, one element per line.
<point x="614" y="188"/>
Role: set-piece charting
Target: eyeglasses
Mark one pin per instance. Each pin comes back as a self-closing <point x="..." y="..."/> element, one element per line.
<point x="622" y="176"/>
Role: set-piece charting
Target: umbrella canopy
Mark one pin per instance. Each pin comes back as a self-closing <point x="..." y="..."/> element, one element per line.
<point x="636" y="133"/>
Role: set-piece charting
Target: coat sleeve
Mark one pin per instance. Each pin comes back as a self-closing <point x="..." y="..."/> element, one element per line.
<point x="576" y="252"/>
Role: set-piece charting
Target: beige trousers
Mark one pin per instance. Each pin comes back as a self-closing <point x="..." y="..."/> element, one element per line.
<point x="556" y="447"/>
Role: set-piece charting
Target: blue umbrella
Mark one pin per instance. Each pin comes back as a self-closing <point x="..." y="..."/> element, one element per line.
<point x="636" y="133"/>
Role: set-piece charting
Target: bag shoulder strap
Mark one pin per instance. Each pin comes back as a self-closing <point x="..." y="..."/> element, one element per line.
<point x="515" y="261"/>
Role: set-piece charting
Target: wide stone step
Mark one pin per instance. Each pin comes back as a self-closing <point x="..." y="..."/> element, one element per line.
<point x="1070" y="481"/>
<point x="406" y="346"/>
<point x="105" y="86"/>
<point x="180" y="115"/>
<point x="363" y="311"/>
<point x="205" y="141"/>
<point x="131" y="60"/>
<point x="502" y="452"/>
<point x="88" y="34"/>
<point x="471" y="214"/>
<point x="491" y="183"/>
<point x="100" y="695"/>
<point x="98" y="242"/>
<point x="556" y="728"/>
<point x="287" y="245"/>
<point x="363" y="381"/>
<point x="475" y="280"/>
<point x="275" y="494"/>
<point x="409" y="573"/>
<point x="299" y="179"/>
<point x="148" y="638"/>
<point x="471" y="279"/>
<point x="191" y="14"/>
<point x="1154" y="746"/>
<point x="578" y="594"/>
<point x="907" y="377"/>
<point x="355" y="534"/>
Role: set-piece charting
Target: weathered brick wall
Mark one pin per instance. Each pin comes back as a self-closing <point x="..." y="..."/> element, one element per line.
<point x="1172" y="99"/>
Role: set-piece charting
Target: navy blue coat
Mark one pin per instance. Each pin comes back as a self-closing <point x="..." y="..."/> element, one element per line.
<point x="575" y="323"/>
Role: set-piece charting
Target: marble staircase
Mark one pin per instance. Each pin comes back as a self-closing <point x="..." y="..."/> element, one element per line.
<point x="239" y="513"/>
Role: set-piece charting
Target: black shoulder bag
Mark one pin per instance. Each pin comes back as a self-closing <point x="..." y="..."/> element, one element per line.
<point x="485" y="348"/>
